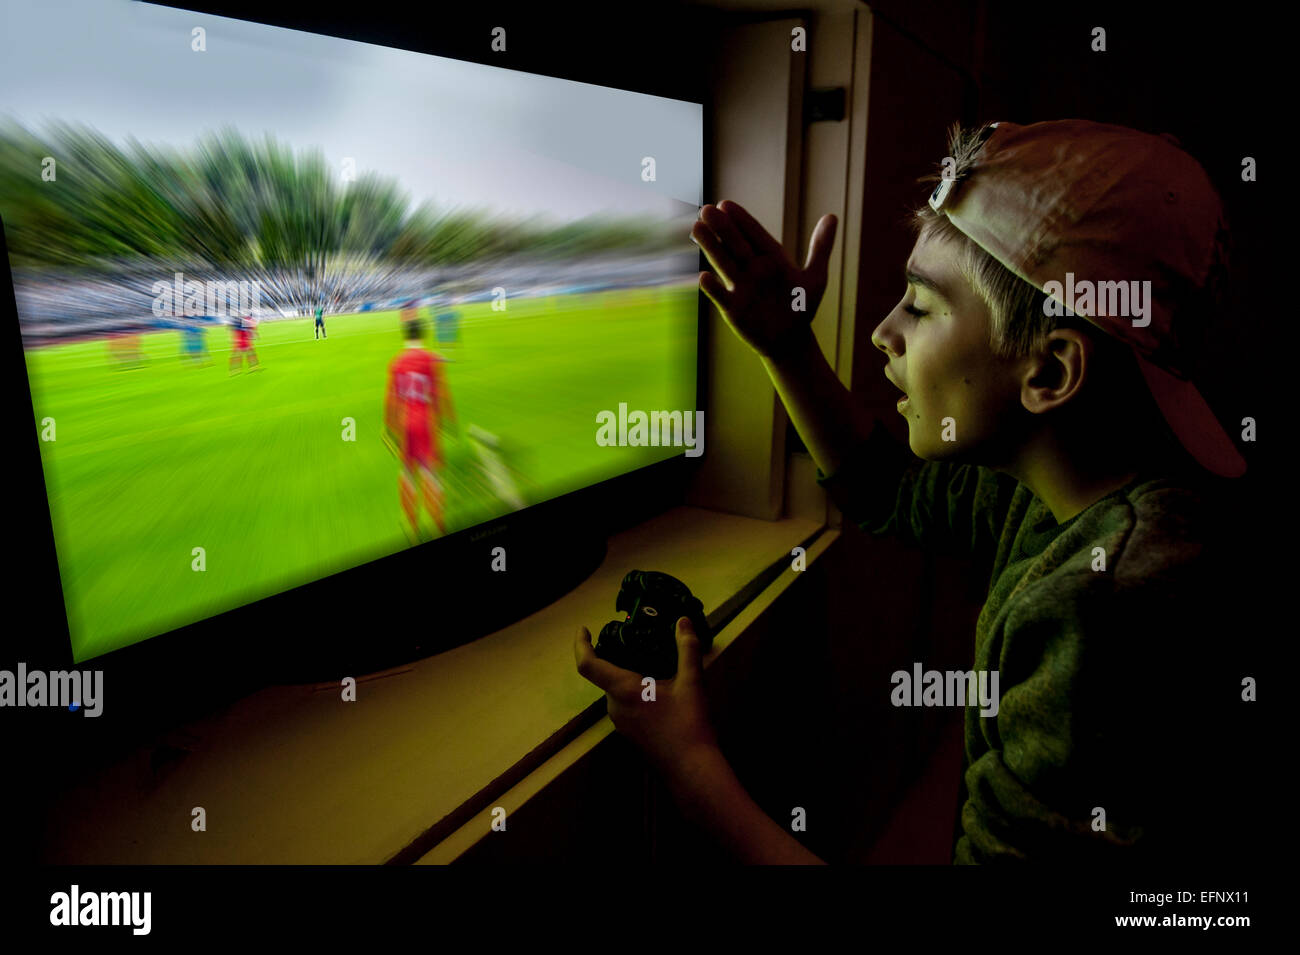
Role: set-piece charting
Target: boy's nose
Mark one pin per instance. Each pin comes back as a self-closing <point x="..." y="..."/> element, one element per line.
<point x="884" y="339"/>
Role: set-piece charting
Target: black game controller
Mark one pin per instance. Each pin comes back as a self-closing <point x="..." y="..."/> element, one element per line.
<point x="645" y="641"/>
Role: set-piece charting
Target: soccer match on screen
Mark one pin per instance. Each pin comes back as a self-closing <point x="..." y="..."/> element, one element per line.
<point x="273" y="356"/>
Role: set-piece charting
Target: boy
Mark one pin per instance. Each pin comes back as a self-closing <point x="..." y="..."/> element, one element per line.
<point x="1066" y="454"/>
<point x="416" y="403"/>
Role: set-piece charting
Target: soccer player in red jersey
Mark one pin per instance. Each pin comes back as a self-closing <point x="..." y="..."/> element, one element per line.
<point x="243" y="326"/>
<point x="417" y="403"/>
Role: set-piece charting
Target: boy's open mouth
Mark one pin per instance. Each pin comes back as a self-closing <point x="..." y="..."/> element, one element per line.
<point x="903" y="399"/>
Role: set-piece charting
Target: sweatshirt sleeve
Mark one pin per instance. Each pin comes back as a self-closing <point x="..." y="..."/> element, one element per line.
<point x="884" y="489"/>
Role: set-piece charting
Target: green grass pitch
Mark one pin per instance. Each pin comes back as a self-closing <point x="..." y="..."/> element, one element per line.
<point x="152" y="462"/>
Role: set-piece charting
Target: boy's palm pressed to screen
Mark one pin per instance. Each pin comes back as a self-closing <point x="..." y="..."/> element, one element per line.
<point x="758" y="298"/>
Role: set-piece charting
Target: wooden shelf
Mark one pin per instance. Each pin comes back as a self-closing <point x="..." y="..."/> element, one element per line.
<point x="295" y="775"/>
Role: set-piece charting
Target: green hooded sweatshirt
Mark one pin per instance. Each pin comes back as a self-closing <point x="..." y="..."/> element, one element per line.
<point x="1107" y="631"/>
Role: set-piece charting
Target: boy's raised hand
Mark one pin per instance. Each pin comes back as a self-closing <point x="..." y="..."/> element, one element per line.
<point x="757" y="297"/>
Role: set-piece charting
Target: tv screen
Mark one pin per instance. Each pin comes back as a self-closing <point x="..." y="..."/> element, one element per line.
<point x="292" y="303"/>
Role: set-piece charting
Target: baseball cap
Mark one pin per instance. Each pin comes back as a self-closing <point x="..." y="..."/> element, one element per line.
<point x="1083" y="211"/>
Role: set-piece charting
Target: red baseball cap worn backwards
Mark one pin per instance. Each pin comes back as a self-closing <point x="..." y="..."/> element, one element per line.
<point x="1116" y="226"/>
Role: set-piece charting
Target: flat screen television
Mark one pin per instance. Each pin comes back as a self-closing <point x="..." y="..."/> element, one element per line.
<point x="337" y="354"/>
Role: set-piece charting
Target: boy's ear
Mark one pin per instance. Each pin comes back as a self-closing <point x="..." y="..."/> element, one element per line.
<point x="1057" y="372"/>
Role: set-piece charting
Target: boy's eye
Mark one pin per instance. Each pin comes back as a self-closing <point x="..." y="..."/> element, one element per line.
<point x="913" y="310"/>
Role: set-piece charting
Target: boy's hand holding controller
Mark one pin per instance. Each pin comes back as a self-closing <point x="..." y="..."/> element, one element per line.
<point x="757" y="299"/>
<point x="674" y="730"/>
<point x="675" y="733"/>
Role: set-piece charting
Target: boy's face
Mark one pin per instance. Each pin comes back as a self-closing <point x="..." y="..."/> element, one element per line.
<point x="942" y="361"/>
